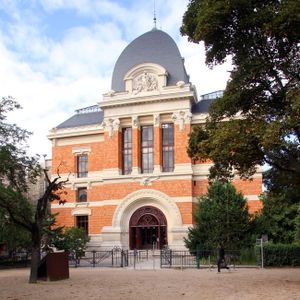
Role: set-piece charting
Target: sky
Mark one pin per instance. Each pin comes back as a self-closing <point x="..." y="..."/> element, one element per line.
<point x="57" y="56"/>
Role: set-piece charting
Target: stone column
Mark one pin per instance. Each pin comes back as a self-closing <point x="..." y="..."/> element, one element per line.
<point x="136" y="146"/>
<point x="157" y="144"/>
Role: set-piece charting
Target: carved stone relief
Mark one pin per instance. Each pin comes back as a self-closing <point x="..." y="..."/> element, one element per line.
<point x="181" y="118"/>
<point x="111" y="125"/>
<point x="145" y="82"/>
<point x="156" y="120"/>
<point x="135" y="122"/>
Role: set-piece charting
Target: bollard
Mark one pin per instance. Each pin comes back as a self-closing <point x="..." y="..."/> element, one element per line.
<point x="134" y="258"/>
<point x="181" y="262"/>
<point x="198" y="257"/>
<point x="94" y="258"/>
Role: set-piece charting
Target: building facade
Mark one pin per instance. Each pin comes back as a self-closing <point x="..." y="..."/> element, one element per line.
<point x="131" y="182"/>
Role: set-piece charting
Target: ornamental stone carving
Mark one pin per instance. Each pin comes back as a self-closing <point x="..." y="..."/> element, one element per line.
<point x="111" y="125"/>
<point x="144" y="83"/>
<point x="182" y="118"/>
<point x="148" y="180"/>
<point x="135" y="122"/>
<point x="156" y="120"/>
<point x="148" y="197"/>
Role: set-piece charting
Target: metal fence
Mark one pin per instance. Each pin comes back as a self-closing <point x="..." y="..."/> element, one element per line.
<point x="116" y="257"/>
<point x="206" y="258"/>
<point x="19" y="259"/>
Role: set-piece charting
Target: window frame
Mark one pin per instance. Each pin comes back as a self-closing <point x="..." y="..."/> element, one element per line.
<point x="167" y="148"/>
<point x="147" y="150"/>
<point x="126" y="150"/>
<point x="83" y="222"/>
<point x="82" y="165"/>
<point x="78" y="194"/>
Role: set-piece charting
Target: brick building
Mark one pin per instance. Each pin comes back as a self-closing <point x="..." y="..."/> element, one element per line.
<point x="131" y="180"/>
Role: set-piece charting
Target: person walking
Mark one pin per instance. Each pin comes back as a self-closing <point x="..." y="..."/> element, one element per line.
<point x="221" y="259"/>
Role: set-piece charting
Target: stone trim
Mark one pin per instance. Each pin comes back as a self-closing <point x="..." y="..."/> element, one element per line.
<point x="81" y="211"/>
<point x="146" y="197"/>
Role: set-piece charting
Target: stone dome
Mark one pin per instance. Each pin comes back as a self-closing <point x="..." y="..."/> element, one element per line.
<point x="154" y="46"/>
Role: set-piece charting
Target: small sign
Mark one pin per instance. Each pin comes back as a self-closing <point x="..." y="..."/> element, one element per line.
<point x="258" y="242"/>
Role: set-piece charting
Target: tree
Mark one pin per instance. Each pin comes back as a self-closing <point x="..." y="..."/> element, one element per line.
<point x="261" y="103"/>
<point x="72" y="240"/>
<point x="221" y="217"/>
<point x="280" y="214"/>
<point x="13" y="235"/>
<point x="17" y="170"/>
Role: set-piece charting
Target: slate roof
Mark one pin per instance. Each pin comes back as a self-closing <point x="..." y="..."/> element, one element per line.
<point x="82" y="119"/>
<point x="154" y="46"/>
<point x="202" y="106"/>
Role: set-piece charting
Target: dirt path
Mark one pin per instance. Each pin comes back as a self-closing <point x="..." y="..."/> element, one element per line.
<point x="89" y="283"/>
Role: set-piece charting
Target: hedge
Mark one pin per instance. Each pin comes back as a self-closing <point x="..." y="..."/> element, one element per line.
<point x="280" y="254"/>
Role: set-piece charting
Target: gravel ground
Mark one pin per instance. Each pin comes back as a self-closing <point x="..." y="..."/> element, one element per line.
<point x="89" y="283"/>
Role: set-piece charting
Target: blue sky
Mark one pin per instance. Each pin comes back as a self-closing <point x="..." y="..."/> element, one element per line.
<point x="58" y="55"/>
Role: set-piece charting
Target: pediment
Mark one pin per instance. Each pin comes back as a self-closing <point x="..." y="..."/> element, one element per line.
<point x="145" y="78"/>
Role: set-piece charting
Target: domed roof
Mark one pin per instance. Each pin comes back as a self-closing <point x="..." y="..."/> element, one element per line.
<point x="154" y="46"/>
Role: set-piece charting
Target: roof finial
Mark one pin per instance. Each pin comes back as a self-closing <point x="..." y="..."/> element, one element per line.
<point x="154" y="15"/>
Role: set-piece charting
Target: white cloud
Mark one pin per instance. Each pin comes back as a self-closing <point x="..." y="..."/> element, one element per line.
<point x="51" y="76"/>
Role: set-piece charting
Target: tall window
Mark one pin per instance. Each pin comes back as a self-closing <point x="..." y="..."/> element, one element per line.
<point x="83" y="222"/>
<point x="147" y="149"/>
<point x="127" y="150"/>
<point x="82" y="194"/>
<point x="82" y="165"/>
<point x="167" y="147"/>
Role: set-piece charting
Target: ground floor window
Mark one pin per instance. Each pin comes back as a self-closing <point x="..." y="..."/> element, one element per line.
<point x="83" y="222"/>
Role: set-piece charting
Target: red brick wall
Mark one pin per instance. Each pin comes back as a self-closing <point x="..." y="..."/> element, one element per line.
<point x="186" y="210"/>
<point x="136" y="148"/>
<point x="107" y="155"/>
<point x="181" y="142"/>
<point x="112" y="151"/>
<point x="100" y="216"/>
<point x="65" y="160"/>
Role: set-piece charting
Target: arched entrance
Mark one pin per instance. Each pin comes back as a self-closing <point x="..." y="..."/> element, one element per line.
<point x="147" y="226"/>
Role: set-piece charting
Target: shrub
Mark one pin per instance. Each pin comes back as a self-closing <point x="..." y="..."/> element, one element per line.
<point x="72" y="240"/>
<point x="280" y="254"/>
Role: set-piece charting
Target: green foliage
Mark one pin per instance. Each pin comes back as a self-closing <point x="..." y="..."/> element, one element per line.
<point x="297" y="234"/>
<point x="280" y="254"/>
<point x="262" y="38"/>
<point x="72" y="240"/>
<point x="279" y="217"/>
<point x="17" y="170"/>
<point x="12" y="235"/>
<point x="221" y="217"/>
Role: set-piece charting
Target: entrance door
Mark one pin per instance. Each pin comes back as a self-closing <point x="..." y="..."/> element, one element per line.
<point x="147" y="228"/>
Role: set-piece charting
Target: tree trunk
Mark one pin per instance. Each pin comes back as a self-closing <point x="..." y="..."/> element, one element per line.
<point x="35" y="254"/>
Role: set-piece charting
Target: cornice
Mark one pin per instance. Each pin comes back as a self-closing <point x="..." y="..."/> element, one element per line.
<point x="112" y="99"/>
<point x="75" y="131"/>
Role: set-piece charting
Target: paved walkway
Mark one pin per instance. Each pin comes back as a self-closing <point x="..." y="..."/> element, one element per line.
<point x="153" y="263"/>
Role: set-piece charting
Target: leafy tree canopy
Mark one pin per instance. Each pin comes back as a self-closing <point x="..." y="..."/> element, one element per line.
<point x="14" y="236"/>
<point x="72" y="240"/>
<point x="262" y="99"/>
<point x="280" y="215"/>
<point x="221" y="217"/>
<point x="17" y="170"/>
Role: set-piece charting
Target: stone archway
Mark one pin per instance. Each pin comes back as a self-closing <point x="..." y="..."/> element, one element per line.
<point x="148" y="228"/>
<point x="118" y="233"/>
